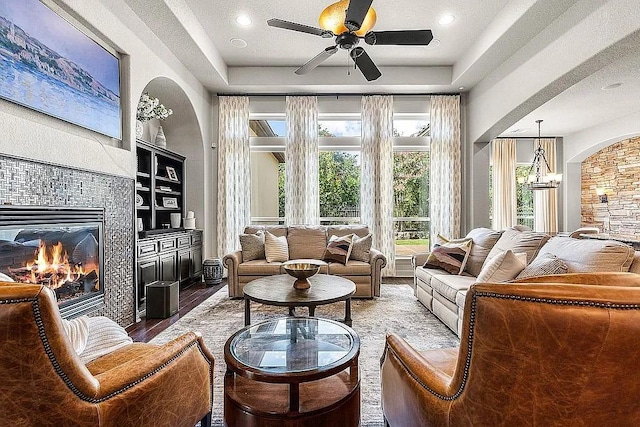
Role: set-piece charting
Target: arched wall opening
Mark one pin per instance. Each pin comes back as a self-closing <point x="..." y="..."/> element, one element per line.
<point x="184" y="133"/>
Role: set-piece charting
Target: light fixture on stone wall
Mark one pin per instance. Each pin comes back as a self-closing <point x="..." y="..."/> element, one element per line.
<point x="540" y="175"/>
<point x="602" y="195"/>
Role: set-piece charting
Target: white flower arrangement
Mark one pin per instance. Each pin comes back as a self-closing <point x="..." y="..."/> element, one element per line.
<point x="150" y="108"/>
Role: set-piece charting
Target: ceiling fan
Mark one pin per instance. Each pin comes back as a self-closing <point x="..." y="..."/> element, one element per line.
<point x="349" y="21"/>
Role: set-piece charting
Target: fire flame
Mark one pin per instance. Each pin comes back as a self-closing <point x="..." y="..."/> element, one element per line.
<point x="52" y="267"/>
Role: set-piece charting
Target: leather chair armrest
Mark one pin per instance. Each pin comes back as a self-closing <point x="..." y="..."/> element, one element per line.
<point x="231" y="262"/>
<point x="602" y="279"/>
<point x="378" y="261"/>
<point x="188" y="349"/>
<point x="418" y="260"/>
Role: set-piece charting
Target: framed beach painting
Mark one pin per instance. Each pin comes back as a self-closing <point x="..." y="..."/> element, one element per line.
<point x="49" y="65"/>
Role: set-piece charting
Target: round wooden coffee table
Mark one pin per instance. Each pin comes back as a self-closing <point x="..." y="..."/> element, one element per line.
<point x="292" y="372"/>
<point x="279" y="291"/>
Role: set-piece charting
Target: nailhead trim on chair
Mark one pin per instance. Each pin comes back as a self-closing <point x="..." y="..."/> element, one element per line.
<point x="65" y="378"/>
<point x="472" y="320"/>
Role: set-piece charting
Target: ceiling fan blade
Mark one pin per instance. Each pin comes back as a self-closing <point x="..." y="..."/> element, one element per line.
<point x="279" y="23"/>
<point x="356" y="12"/>
<point x="317" y="60"/>
<point x="365" y="64"/>
<point x="406" y="37"/>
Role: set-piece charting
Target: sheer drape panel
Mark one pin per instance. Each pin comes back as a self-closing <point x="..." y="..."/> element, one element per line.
<point x="376" y="183"/>
<point x="444" y="187"/>
<point x="545" y="212"/>
<point x="234" y="172"/>
<point x="503" y="159"/>
<point x="302" y="200"/>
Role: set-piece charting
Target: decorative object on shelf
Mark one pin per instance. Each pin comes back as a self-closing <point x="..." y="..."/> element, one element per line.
<point x="170" y="202"/>
<point x="189" y="223"/>
<point x="161" y="140"/>
<point x="139" y="200"/>
<point x="140" y="224"/>
<point x="539" y="178"/>
<point x="175" y="219"/>
<point x="301" y="271"/>
<point x="139" y="129"/>
<point x="171" y="174"/>
<point x="212" y="271"/>
<point x="150" y="108"/>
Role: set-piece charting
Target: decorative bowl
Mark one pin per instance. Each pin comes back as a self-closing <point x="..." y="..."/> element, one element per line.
<point x="301" y="271"/>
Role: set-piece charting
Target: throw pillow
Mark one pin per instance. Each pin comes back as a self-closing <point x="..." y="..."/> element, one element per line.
<point x="503" y="267"/>
<point x="104" y="336"/>
<point x="449" y="256"/>
<point x="544" y="265"/>
<point x="252" y="246"/>
<point x="361" y="248"/>
<point x="483" y="241"/>
<point x="528" y="242"/>
<point x="276" y="249"/>
<point x="338" y="249"/>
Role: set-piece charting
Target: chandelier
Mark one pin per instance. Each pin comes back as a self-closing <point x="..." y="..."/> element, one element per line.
<point x="540" y="175"/>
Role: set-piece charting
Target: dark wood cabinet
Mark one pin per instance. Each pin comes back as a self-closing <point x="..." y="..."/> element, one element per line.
<point x="147" y="273"/>
<point x="167" y="266"/>
<point x="196" y="262"/>
<point x="184" y="265"/>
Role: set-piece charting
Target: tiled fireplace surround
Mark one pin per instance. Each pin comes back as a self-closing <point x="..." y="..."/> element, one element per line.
<point x="31" y="183"/>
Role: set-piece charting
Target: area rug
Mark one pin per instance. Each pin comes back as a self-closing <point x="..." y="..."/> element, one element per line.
<point x="396" y="310"/>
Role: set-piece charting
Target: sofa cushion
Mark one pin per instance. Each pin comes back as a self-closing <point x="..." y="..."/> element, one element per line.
<point x="584" y="256"/>
<point x="528" y="242"/>
<point x="361" y="248"/>
<point x="503" y="267"/>
<point x="259" y="267"/>
<point x="544" y="265"/>
<point x="425" y="274"/>
<point x="276" y="230"/>
<point x="484" y="239"/>
<point x="252" y="246"/>
<point x="461" y="297"/>
<point x="450" y="256"/>
<point x="352" y="268"/>
<point x="307" y="241"/>
<point x="275" y="248"/>
<point x="338" y="249"/>
<point x="342" y="230"/>
<point x="448" y="285"/>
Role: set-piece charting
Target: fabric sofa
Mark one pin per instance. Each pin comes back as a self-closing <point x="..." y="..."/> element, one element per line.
<point x="444" y="294"/>
<point x="308" y="242"/>
<point x="544" y="354"/>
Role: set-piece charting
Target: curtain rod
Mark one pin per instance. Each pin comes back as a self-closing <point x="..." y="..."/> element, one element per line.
<point x="333" y="94"/>
<point x="526" y="137"/>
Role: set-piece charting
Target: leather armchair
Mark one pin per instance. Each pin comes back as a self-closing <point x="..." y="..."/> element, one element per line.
<point x="43" y="382"/>
<point x="530" y="354"/>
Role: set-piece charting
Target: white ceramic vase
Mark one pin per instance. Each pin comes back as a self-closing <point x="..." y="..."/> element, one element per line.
<point x="161" y="140"/>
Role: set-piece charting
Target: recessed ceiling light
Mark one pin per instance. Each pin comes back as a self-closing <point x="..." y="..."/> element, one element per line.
<point x="461" y="88"/>
<point x="239" y="43"/>
<point x="446" y="19"/>
<point x="611" y="86"/>
<point x="520" y="130"/>
<point x="243" y="20"/>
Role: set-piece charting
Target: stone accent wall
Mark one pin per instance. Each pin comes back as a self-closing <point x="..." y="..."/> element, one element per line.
<point x="616" y="169"/>
<point x="30" y="183"/>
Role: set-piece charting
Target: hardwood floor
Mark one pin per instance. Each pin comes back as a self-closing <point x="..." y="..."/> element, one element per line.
<point x="190" y="298"/>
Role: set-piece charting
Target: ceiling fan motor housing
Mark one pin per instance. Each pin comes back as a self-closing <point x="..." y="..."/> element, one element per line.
<point x="347" y="40"/>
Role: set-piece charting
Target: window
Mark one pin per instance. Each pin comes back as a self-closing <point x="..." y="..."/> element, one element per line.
<point x="411" y="201"/>
<point x="339" y="175"/>
<point x="524" y="196"/>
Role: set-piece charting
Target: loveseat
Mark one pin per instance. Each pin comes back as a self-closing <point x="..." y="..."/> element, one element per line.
<point x="444" y="294"/>
<point x="308" y="242"/>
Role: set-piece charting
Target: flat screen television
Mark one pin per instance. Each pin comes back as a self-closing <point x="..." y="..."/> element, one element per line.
<point x="49" y="65"/>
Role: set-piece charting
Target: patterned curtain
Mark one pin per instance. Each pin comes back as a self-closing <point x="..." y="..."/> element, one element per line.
<point x="503" y="159"/>
<point x="444" y="188"/>
<point x="545" y="211"/>
<point x="376" y="183"/>
<point x="302" y="199"/>
<point x="234" y="172"/>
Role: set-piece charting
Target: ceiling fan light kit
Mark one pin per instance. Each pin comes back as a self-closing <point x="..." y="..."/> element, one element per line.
<point x="350" y="21"/>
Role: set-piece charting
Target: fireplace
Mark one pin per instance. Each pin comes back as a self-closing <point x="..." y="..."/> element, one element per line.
<point x="61" y="248"/>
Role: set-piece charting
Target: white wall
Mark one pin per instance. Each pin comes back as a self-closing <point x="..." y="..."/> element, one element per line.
<point x="32" y="135"/>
